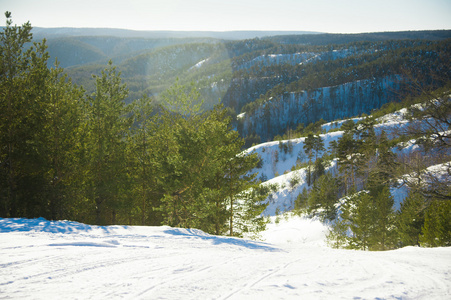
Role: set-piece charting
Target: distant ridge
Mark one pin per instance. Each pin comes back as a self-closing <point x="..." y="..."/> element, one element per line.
<point x="287" y="37"/>
<point x="40" y="32"/>
<point x="341" y="38"/>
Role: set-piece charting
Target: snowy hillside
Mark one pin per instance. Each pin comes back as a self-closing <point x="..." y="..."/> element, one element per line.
<point x="279" y="157"/>
<point x="68" y="260"/>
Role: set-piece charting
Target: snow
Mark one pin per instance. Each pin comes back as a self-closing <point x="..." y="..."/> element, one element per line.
<point x="199" y="64"/>
<point x="286" y="160"/>
<point x="284" y="198"/>
<point x="40" y="259"/>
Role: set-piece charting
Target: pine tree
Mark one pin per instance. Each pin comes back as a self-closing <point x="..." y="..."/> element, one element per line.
<point x="204" y="178"/>
<point x="347" y="160"/>
<point x="183" y="140"/>
<point x="410" y="219"/>
<point x="318" y="146"/>
<point x="333" y="148"/>
<point x="366" y="148"/>
<point x="14" y="66"/>
<point x="244" y="195"/>
<point x="358" y="212"/>
<point x="337" y="235"/>
<point x="370" y="218"/>
<point x="60" y="141"/>
<point x="436" y="231"/>
<point x="301" y="200"/>
<point x="383" y="233"/>
<point x="23" y="103"/>
<point x="329" y="187"/>
<point x="319" y="169"/>
<point x="383" y="170"/>
<point x="143" y="164"/>
<point x="108" y="126"/>
<point x="246" y="217"/>
<point x="309" y="145"/>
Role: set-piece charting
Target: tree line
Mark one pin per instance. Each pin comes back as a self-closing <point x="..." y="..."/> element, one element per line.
<point x="66" y="154"/>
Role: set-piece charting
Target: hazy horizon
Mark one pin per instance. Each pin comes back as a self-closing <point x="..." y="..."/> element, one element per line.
<point x="325" y="16"/>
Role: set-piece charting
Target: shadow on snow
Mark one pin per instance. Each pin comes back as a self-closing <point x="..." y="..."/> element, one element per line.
<point x="217" y="240"/>
<point x="43" y="225"/>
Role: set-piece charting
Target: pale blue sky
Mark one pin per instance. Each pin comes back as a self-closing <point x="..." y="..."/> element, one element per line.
<point x="335" y="16"/>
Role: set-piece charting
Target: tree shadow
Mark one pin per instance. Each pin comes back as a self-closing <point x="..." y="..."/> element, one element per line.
<point x="43" y="225"/>
<point x="217" y="240"/>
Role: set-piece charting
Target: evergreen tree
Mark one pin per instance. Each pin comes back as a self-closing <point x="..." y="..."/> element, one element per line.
<point x="318" y="146"/>
<point x="319" y="169"/>
<point x="383" y="233"/>
<point x="205" y="180"/>
<point x="309" y="146"/>
<point x="23" y="104"/>
<point x="337" y="235"/>
<point x="14" y="67"/>
<point x="143" y="164"/>
<point x="329" y="194"/>
<point x="436" y="231"/>
<point x="383" y="170"/>
<point x="366" y="148"/>
<point x="301" y="200"/>
<point x="244" y="197"/>
<point x="60" y="141"/>
<point x="313" y="145"/>
<point x="370" y="219"/>
<point x="410" y="219"/>
<point x="358" y="212"/>
<point x="183" y="141"/>
<point x="41" y="115"/>
<point x="107" y="129"/>
<point x="333" y="148"/>
<point x="246" y="217"/>
<point x="347" y="160"/>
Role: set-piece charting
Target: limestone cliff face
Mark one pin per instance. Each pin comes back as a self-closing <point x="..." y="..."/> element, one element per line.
<point x="328" y="103"/>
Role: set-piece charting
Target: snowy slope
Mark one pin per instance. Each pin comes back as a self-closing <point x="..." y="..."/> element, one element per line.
<point x="272" y="166"/>
<point x="278" y="171"/>
<point x="67" y="260"/>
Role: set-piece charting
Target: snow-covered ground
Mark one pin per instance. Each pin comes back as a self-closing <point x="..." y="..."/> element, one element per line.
<point x="68" y="260"/>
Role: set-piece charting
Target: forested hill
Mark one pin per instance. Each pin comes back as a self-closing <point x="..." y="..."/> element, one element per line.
<point x="298" y="74"/>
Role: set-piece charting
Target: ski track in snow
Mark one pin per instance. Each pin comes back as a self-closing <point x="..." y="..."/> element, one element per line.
<point x="66" y="260"/>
